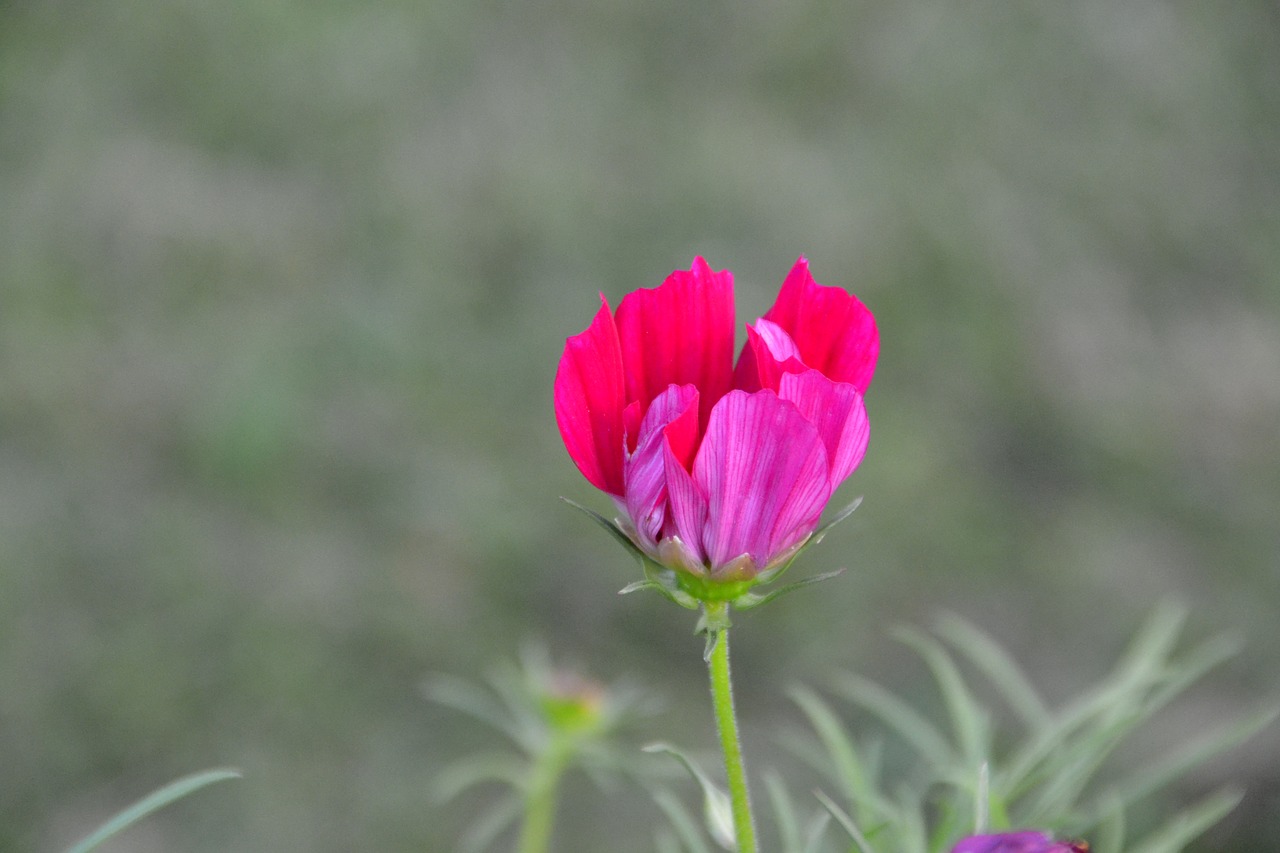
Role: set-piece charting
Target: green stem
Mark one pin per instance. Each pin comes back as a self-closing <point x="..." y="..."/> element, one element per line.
<point x="744" y="829"/>
<point x="540" y="797"/>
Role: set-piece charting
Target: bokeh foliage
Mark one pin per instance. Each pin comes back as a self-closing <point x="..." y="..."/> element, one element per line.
<point x="282" y="287"/>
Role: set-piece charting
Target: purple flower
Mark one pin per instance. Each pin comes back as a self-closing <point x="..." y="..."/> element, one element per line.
<point x="1018" y="842"/>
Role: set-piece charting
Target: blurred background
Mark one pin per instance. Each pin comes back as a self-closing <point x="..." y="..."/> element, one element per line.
<point x="282" y="290"/>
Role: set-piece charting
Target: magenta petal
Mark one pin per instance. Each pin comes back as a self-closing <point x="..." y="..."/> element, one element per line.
<point x="1011" y="842"/>
<point x="589" y="401"/>
<point x="768" y="353"/>
<point x="672" y="417"/>
<point x="680" y="333"/>
<point x="764" y="471"/>
<point x="837" y="410"/>
<point x="689" y="508"/>
<point x="835" y="332"/>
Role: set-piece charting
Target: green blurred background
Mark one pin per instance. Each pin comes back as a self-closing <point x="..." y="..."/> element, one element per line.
<point x="283" y="289"/>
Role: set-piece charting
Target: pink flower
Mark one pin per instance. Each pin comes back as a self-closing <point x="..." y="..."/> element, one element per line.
<point x="721" y="471"/>
<point x="1018" y="842"/>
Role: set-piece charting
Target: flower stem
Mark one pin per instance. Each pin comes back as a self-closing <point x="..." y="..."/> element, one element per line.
<point x="541" y="795"/>
<point x="744" y="829"/>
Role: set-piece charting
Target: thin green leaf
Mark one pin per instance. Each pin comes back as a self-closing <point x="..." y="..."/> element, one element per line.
<point x="1181" y="760"/>
<point x="681" y="821"/>
<point x="817" y="831"/>
<point x="914" y="837"/>
<point x="999" y="667"/>
<point x="850" y="772"/>
<point x="154" y="801"/>
<point x="1186" y="825"/>
<point x="982" y="799"/>
<point x="469" y="699"/>
<point x="665" y="842"/>
<point x="1095" y="716"/>
<point x="718" y="811"/>
<point x="1190" y="669"/>
<point x="1066" y="773"/>
<point x="476" y="770"/>
<point x="968" y="719"/>
<point x="494" y="822"/>
<point x="845" y="821"/>
<point x="784" y="810"/>
<point x="917" y="731"/>
<point x="1110" y="831"/>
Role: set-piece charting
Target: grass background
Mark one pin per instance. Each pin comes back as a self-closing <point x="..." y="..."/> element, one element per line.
<point x="282" y="290"/>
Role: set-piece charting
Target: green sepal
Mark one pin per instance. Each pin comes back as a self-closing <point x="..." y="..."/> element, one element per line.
<point x="657" y="578"/>
<point x="750" y="600"/>
<point x="769" y="575"/>
<point x="676" y="595"/>
<point x="713" y="591"/>
<point x="610" y="527"/>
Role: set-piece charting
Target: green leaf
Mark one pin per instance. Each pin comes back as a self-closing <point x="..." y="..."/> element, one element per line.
<point x="982" y="799"/>
<point x="1110" y="831"/>
<point x="665" y="842"/>
<point x="816" y="833"/>
<point x="717" y="809"/>
<point x="968" y="719"/>
<point x="1186" y="825"/>
<point x="467" y="698"/>
<point x="483" y="832"/>
<point x="999" y="667"/>
<point x="154" y="801"/>
<point x="684" y="825"/>
<point x="476" y="770"/>
<point x="784" y="810"/>
<point x="1188" y="756"/>
<point x="850" y="772"/>
<point x="846" y="823"/>
<point x="921" y="734"/>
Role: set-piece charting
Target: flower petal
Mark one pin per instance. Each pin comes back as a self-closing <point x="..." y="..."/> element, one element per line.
<point x="763" y="468"/>
<point x="688" y="516"/>
<point x="835" y="332"/>
<point x="837" y="410"/>
<point x="768" y="353"/>
<point x="589" y="401"/>
<point x="1013" y="842"/>
<point x="680" y="333"/>
<point x="672" y="419"/>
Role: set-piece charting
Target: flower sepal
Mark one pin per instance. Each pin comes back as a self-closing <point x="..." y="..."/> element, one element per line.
<point x="751" y="600"/>
<point x="663" y="581"/>
<point x="613" y="528"/>
<point x="778" y="569"/>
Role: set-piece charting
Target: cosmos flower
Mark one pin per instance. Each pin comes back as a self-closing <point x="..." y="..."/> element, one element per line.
<point x="1018" y="842"/>
<point x="720" y="470"/>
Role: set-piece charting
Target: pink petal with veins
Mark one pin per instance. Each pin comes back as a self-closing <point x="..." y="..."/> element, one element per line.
<point x="672" y="420"/>
<point x="837" y="411"/>
<point x="763" y="469"/>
